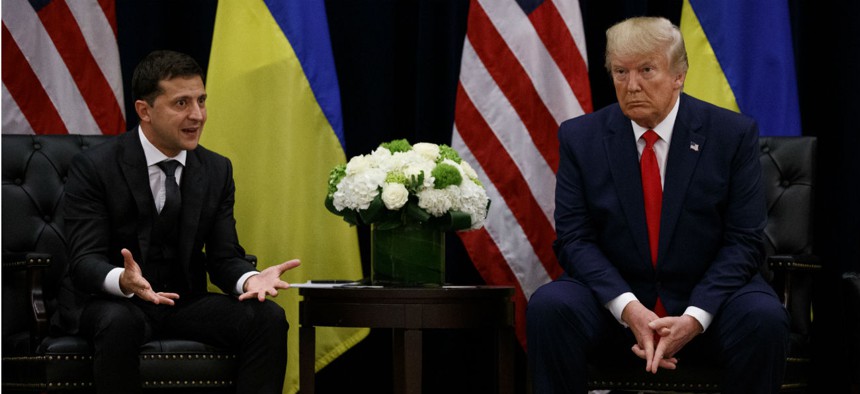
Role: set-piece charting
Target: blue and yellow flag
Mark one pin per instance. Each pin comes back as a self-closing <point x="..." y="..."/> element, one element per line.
<point x="741" y="58"/>
<point x="274" y="109"/>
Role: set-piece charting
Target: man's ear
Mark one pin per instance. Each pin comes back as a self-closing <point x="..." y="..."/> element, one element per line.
<point x="142" y="108"/>
<point x="679" y="80"/>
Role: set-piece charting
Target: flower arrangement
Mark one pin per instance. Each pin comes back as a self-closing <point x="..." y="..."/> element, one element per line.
<point x="399" y="184"/>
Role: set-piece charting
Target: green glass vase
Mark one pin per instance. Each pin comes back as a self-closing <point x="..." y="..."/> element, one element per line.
<point x="408" y="256"/>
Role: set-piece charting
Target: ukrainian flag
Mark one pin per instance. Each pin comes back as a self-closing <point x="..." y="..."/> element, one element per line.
<point x="741" y="58"/>
<point x="274" y="109"/>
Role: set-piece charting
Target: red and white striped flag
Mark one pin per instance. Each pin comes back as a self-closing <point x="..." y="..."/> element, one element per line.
<point x="523" y="72"/>
<point x="61" y="70"/>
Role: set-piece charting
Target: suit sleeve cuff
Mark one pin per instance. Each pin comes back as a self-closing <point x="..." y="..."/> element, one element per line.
<point x="699" y="314"/>
<point x="111" y="284"/>
<point x="617" y="304"/>
<point x="240" y="284"/>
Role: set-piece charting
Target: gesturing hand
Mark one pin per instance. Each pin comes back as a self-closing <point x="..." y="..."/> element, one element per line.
<point x="267" y="282"/>
<point x="132" y="281"/>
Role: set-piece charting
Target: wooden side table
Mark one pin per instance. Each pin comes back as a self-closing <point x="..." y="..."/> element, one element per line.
<point x="408" y="311"/>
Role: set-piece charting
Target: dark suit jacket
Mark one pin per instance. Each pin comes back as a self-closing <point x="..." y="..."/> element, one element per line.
<point x="109" y="206"/>
<point x="713" y="216"/>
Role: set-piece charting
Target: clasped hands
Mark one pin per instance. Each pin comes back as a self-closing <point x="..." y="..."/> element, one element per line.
<point x="658" y="339"/>
<point x="267" y="282"/>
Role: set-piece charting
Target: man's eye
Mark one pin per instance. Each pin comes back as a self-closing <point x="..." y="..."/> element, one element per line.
<point x="181" y="103"/>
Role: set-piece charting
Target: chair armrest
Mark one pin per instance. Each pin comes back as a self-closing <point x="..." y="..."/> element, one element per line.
<point x="793" y="282"/>
<point x="34" y="266"/>
<point x="792" y="278"/>
<point x="799" y="262"/>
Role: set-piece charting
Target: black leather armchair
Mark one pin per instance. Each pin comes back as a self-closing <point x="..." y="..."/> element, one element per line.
<point x="34" y="261"/>
<point x="788" y="165"/>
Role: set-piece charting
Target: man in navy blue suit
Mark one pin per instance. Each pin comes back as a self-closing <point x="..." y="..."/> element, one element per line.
<point x="661" y="257"/>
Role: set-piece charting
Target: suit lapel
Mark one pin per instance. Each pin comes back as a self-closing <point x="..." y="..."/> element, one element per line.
<point x="684" y="152"/>
<point x="133" y="165"/>
<point x="623" y="159"/>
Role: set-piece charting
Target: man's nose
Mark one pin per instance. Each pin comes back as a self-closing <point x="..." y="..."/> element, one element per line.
<point x="633" y="82"/>
<point x="196" y="112"/>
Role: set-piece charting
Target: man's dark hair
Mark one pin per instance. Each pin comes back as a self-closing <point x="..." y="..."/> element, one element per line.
<point x="161" y="66"/>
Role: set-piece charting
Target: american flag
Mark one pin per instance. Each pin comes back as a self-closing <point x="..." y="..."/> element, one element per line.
<point x="523" y="72"/>
<point x="61" y="70"/>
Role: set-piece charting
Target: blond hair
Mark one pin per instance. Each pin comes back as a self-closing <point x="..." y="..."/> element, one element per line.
<point x="647" y="35"/>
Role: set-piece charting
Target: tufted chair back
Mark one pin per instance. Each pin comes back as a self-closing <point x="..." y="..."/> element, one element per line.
<point x="34" y="171"/>
<point x="788" y="173"/>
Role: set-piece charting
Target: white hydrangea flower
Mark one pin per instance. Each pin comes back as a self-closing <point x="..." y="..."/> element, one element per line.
<point x="394" y="195"/>
<point x="454" y="196"/>
<point x="473" y="200"/>
<point x="400" y="161"/>
<point x="357" y="191"/>
<point x="435" y="202"/>
<point x="380" y="156"/>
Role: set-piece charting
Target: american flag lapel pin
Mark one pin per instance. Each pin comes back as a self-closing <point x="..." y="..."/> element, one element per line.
<point x="694" y="146"/>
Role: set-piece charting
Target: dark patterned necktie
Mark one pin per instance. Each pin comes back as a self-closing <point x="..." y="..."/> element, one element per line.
<point x="173" y="200"/>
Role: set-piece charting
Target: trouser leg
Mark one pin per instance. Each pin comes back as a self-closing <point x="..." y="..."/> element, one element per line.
<point x="564" y="322"/>
<point x="117" y="329"/>
<point x="257" y="331"/>
<point x="753" y="332"/>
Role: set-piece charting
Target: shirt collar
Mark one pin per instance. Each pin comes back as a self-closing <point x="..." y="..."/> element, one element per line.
<point x="664" y="129"/>
<point x="153" y="155"/>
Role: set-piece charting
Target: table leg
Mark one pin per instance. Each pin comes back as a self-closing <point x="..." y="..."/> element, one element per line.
<point x="407" y="355"/>
<point x="414" y="360"/>
<point x="505" y="360"/>
<point x="307" y="350"/>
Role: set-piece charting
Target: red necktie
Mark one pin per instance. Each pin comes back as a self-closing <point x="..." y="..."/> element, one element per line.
<point x="653" y="192"/>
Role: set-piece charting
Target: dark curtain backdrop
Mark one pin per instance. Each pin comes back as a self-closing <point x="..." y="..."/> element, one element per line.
<point x="398" y="63"/>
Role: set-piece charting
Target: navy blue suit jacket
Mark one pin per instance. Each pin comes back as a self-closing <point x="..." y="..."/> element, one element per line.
<point x="713" y="215"/>
<point x="109" y="206"/>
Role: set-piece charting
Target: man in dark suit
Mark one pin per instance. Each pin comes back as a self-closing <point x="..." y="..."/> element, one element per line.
<point x="137" y="235"/>
<point x="661" y="255"/>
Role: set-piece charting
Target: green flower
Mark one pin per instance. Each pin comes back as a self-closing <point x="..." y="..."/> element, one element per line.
<point x="334" y="177"/>
<point x="447" y="152"/>
<point x="396" y="177"/>
<point x="446" y="175"/>
<point x="415" y="182"/>
<point x="401" y="145"/>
